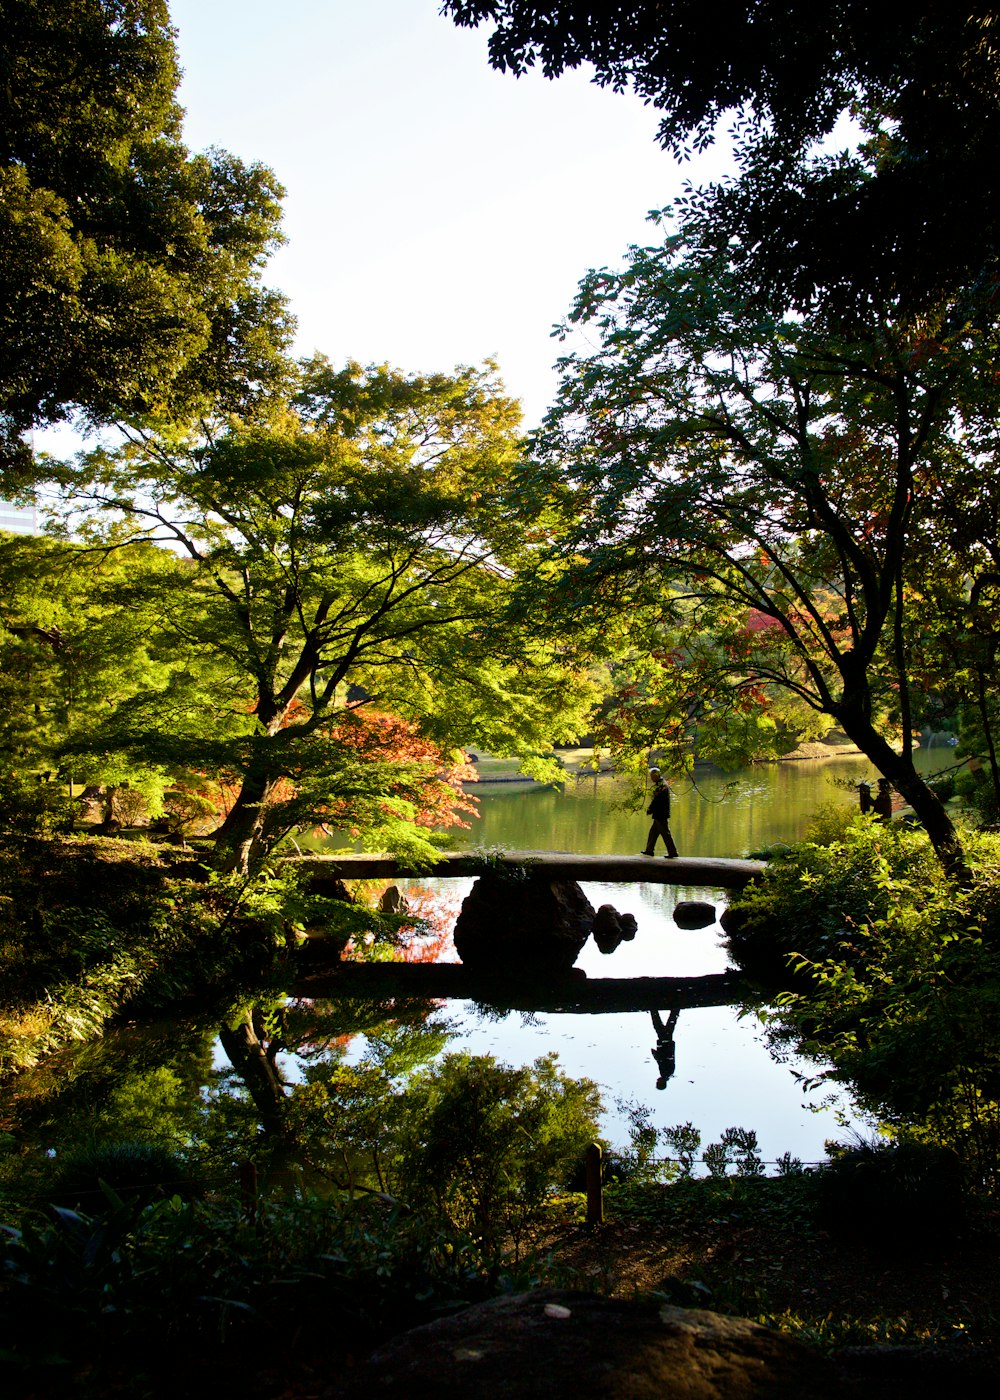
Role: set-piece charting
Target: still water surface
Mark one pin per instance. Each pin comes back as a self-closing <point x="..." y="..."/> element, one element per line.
<point x="725" y="1076"/>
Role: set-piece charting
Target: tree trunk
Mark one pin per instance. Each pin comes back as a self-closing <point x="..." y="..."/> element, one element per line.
<point x="109" y="822"/>
<point x="899" y="769"/>
<point x="240" y="842"/>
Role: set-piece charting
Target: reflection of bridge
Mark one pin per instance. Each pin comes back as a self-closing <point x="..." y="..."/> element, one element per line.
<point x="564" y="992"/>
<point x="706" y="872"/>
<point x="320" y="977"/>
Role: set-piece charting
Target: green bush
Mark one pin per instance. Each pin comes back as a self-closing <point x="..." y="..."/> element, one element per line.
<point x="905" y="1195"/>
<point x="484" y="1144"/>
<point x="135" y="1171"/>
<point x="895" y="975"/>
<point x="978" y="794"/>
<point x="638" y="1161"/>
<point x="477" y="1144"/>
<point x="29" y="806"/>
<point x="820" y="899"/>
<point x="671" y="1154"/>
<point x="149" y="1298"/>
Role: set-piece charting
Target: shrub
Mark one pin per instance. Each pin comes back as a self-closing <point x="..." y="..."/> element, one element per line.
<point x="129" y="806"/>
<point x="896" y="976"/>
<point x="902" y="1194"/>
<point x="135" y="1171"/>
<point x="485" y="1144"/>
<point x="29" y="806"/>
<point x="974" y="788"/>
<point x="635" y="1163"/>
<point x="821" y="899"/>
<point x="143" y="1301"/>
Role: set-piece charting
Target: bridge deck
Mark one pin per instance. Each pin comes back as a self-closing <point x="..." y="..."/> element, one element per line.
<point x="707" y="872"/>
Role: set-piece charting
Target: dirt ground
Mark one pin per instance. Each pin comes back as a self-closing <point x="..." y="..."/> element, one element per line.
<point x="828" y="1285"/>
<point x="937" y="1308"/>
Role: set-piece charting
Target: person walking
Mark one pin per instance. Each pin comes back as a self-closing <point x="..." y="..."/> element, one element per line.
<point x="659" y="810"/>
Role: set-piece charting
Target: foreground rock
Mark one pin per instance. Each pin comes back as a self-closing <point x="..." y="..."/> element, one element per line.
<point x="557" y="1345"/>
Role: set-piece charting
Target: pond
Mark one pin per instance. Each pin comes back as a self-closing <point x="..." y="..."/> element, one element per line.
<point x="725" y="1075"/>
<point x="168" y="1081"/>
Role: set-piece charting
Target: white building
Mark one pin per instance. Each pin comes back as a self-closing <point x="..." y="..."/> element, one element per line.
<point x="18" y="520"/>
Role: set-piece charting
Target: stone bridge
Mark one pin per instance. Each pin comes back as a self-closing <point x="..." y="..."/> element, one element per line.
<point x="706" y="872"/>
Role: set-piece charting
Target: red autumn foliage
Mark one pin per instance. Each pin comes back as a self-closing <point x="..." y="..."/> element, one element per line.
<point x="431" y="943"/>
<point x="427" y="777"/>
<point x="434" y="944"/>
<point x="386" y="739"/>
<point x="760" y="622"/>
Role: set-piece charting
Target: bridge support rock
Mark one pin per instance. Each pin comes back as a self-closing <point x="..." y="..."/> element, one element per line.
<point x="526" y="923"/>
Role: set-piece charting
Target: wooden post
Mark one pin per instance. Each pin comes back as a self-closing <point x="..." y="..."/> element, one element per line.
<point x="248" y="1189"/>
<point x="595" y="1190"/>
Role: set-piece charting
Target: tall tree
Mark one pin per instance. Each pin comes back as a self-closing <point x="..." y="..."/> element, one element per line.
<point x="957" y="579"/>
<point x="774" y="480"/>
<point x="670" y="691"/>
<point x="913" y="215"/>
<point x="355" y="553"/>
<point x="130" y="276"/>
<point x="73" y="647"/>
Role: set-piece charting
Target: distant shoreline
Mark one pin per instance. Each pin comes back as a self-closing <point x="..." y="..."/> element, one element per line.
<point x="806" y="752"/>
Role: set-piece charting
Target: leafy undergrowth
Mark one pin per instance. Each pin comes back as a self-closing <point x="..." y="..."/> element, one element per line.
<point x="195" y="1297"/>
<point x="760" y="1248"/>
<point x="201" y="1297"/>
<point x="96" y="930"/>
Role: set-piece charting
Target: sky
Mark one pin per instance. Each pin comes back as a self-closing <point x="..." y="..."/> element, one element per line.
<point x="437" y="213"/>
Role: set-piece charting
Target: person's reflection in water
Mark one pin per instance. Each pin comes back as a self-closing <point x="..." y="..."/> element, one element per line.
<point x="664" y="1052"/>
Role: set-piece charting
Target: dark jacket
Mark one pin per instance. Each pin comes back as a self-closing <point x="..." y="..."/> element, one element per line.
<point x="659" y="807"/>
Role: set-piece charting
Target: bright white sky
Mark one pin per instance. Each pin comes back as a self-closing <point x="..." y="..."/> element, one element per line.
<point x="437" y="213"/>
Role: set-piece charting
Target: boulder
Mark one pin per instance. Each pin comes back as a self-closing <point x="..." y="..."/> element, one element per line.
<point x="560" y="1345"/>
<point x="527" y="924"/>
<point x="329" y="887"/>
<point x="393" y="901"/>
<point x="611" y="928"/>
<point x="694" y="913"/>
<point x="734" y="918"/>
